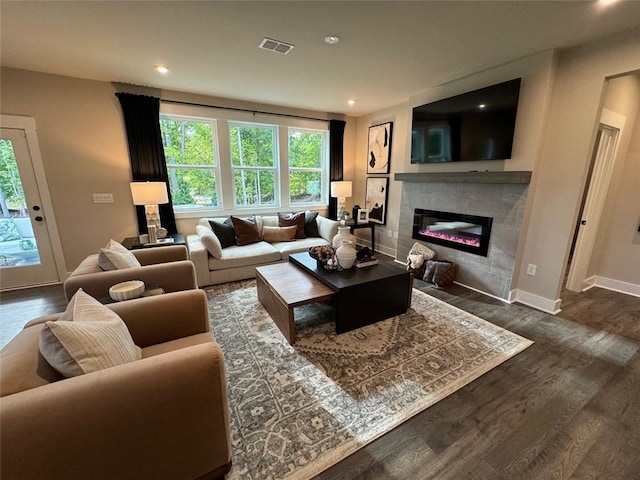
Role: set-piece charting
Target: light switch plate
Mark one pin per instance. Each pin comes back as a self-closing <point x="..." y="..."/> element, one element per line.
<point x="103" y="198"/>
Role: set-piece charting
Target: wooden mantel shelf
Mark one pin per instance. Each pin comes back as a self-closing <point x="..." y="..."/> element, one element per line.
<point x="520" y="177"/>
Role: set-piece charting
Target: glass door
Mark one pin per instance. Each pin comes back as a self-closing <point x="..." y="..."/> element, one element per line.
<point x="26" y="254"/>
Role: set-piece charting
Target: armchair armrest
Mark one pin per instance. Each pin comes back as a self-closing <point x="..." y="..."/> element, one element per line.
<point x="162" y="318"/>
<point x="170" y="253"/>
<point x="159" y="417"/>
<point x="172" y="277"/>
<point x="200" y="257"/>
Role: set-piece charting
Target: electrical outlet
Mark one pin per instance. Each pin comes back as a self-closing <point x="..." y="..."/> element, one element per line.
<point x="395" y="234"/>
<point x="531" y="269"/>
<point x="103" y="198"/>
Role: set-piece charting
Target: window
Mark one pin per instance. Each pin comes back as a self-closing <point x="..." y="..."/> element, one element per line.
<point x="254" y="166"/>
<point x="191" y="153"/>
<point x="307" y="166"/>
<point x="234" y="162"/>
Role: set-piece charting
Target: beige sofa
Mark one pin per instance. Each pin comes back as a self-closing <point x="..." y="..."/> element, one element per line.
<point x="162" y="267"/>
<point x="240" y="262"/>
<point x="163" y="416"/>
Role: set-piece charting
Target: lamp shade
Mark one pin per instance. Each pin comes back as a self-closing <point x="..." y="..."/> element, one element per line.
<point x="149" y="193"/>
<point x="340" y="189"/>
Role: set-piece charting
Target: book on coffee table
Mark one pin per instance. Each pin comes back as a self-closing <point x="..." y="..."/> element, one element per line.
<point x="365" y="262"/>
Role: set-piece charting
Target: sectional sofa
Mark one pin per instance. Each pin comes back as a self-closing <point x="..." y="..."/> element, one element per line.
<point x="216" y="265"/>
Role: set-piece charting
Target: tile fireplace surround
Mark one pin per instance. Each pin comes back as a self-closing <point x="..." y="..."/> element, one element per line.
<point x="500" y="195"/>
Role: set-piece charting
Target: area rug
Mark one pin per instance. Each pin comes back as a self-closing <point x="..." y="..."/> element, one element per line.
<point x="297" y="410"/>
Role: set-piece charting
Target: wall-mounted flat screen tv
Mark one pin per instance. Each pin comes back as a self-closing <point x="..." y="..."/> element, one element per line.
<point x="474" y="126"/>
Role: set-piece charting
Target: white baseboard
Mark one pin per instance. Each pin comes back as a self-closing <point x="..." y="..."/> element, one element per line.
<point x="535" y="301"/>
<point x="617" y="285"/>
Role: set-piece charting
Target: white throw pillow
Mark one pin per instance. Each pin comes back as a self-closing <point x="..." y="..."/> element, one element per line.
<point x="88" y="337"/>
<point x="210" y="241"/>
<point x="115" y="257"/>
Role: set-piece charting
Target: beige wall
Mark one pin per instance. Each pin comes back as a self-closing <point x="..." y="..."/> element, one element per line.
<point x="566" y="151"/>
<point x="617" y="251"/>
<point x="84" y="151"/>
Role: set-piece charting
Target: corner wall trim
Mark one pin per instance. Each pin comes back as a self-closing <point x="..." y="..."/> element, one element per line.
<point x="535" y="301"/>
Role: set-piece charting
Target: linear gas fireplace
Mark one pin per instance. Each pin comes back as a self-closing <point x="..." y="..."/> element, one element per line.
<point x="469" y="233"/>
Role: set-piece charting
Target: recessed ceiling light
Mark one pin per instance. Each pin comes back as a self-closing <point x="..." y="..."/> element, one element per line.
<point x="606" y="3"/>
<point x="162" y="69"/>
<point x="481" y="105"/>
<point x="351" y="102"/>
<point x="331" y="40"/>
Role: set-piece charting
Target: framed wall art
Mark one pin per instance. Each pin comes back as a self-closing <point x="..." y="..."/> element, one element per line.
<point x="379" y="151"/>
<point x="363" y="216"/>
<point x="377" y="195"/>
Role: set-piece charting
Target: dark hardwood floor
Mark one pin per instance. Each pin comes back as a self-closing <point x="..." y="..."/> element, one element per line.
<point x="566" y="407"/>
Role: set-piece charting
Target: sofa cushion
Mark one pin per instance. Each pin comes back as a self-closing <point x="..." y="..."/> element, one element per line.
<point x="311" y="224"/>
<point x="302" y="245"/>
<point x="297" y="219"/>
<point x="87" y="337"/>
<point x="327" y="228"/>
<point x="246" y="230"/>
<point x="247" y="255"/>
<point x="279" y="234"/>
<point x="210" y="241"/>
<point x="115" y="257"/>
<point x="224" y="231"/>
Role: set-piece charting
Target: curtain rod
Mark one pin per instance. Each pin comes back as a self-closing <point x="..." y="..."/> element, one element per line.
<point x="236" y="109"/>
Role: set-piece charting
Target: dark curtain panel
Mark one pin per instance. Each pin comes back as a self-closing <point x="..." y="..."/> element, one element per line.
<point x="142" y="121"/>
<point x="336" y="150"/>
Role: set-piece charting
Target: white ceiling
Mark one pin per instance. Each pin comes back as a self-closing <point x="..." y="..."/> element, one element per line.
<point x="388" y="50"/>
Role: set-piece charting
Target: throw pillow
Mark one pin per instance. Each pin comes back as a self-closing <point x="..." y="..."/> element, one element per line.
<point x="225" y="232"/>
<point x="246" y="230"/>
<point x="311" y="224"/>
<point x="439" y="272"/>
<point x="88" y="337"/>
<point x="115" y="257"/>
<point x="279" y="234"/>
<point x="210" y="241"/>
<point x="297" y="219"/>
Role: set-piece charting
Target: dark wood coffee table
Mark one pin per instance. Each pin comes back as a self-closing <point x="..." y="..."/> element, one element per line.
<point x="363" y="295"/>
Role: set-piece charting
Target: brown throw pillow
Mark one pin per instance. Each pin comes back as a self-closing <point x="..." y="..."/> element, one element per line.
<point x="297" y="219"/>
<point x="279" y="234"/>
<point x="246" y="230"/>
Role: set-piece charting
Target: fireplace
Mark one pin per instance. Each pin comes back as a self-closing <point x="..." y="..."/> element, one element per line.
<point x="469" y="233"/>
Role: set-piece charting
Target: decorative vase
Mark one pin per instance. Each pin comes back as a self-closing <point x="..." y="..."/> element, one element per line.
<point x="346" y="254"/>
<point x="344" y="233"/>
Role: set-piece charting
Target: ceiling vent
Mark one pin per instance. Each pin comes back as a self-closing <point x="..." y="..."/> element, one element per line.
<point x="276" y="46"/>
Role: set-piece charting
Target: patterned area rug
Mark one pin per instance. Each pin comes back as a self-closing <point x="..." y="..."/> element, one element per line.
<point x="296" y="411"/>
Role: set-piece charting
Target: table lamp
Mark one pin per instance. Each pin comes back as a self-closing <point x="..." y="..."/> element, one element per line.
<point x="341" y="190"/>
<point x="150" y="194"/>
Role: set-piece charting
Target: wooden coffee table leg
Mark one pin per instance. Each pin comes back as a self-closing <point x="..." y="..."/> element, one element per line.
<point x="281" y="313"/>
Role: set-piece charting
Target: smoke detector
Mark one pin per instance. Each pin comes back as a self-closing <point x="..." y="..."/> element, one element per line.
<point x="276" y="46"/>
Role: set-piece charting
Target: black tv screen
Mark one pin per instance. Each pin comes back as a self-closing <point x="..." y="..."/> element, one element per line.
<point x="474" y="126"/>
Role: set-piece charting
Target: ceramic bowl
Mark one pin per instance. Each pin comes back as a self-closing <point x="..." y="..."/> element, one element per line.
<point x="126" y="290"/>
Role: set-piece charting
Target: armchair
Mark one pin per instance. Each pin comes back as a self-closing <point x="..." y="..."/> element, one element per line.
<point x="163" y="416"/>
<point x="164" y="267"/>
